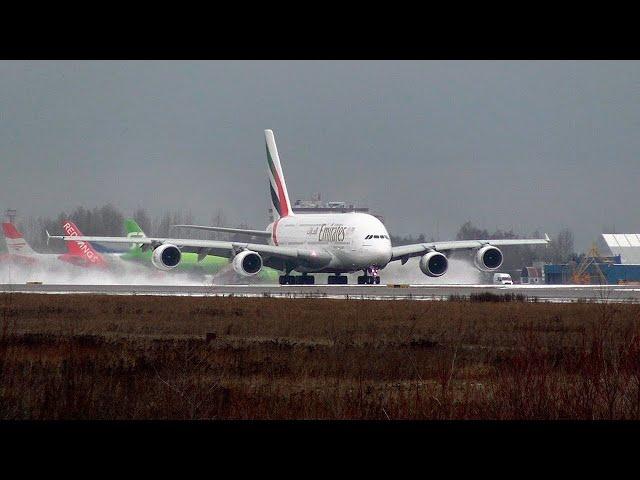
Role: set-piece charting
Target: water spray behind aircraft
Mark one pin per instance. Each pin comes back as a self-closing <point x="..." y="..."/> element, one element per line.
<point x="460" y="271"/>
<point x="72" y="275"/>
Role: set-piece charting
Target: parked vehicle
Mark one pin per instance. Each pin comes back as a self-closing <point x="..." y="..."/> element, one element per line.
<point x="502" y="279"/>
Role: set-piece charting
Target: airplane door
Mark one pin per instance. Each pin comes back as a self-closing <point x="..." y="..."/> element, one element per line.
<point x="353" y="241"/>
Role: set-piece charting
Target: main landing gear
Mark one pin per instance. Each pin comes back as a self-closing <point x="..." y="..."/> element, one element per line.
<point x="368" y="280"/>
<point x="303" y="279"/>
<point x="370" y="277"/>
<point x="337" y="279"/>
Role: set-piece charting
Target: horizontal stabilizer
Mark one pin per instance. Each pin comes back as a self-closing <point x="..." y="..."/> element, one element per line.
<point x="254" y="233"/>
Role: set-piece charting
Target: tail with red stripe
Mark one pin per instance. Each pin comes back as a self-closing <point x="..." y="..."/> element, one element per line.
<point x="277" y="185"/>
<point x="16" y="243"/>
<point x="83" y="250"/>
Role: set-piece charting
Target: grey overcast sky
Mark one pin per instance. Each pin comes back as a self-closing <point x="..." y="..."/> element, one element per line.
<point x="429" y="145"/>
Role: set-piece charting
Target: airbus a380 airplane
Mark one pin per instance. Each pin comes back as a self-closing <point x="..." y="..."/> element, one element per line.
<point x="316" y="243"/>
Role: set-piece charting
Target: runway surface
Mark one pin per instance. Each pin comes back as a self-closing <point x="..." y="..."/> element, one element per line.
<point x="549" y="293"/>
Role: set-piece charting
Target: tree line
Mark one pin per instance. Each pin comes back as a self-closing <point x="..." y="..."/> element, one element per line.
<point x="560" y="250"/>
<point x="109" y="220"/>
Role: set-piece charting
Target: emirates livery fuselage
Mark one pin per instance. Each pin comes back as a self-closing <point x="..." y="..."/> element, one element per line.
<point x="356" y="241"/>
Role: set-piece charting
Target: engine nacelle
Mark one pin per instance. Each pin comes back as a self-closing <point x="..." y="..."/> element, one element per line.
<point x="247" y="263"/>
<point x="166" y="257"/>
<point x="434" y="264"/>
<point x="488" y="258"/>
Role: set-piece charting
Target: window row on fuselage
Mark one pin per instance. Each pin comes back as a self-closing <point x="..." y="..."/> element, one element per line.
<point x="368" y="237"/>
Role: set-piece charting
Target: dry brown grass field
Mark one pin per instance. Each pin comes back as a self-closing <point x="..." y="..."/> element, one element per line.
<point x="145" y="357"/>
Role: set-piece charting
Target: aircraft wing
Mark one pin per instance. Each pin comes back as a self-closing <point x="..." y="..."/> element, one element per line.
<point x="404" y="252"/>
<point x="273" y="256"/>
<point x="255" y="233"/>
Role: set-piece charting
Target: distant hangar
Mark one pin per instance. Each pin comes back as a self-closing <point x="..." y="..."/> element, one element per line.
<point x="619" y="263"/>
<point x="627" y="245"/>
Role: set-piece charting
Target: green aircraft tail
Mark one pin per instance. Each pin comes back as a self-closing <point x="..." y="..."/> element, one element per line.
<point x="210" y="264"/>
<point x="133" y="230"/>
<point x="132" y="227"/>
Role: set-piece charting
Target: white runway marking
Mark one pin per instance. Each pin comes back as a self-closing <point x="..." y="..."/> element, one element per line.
<point x="542" y="293"/>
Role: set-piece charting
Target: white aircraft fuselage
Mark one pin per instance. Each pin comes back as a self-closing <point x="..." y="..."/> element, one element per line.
<point x="356" y="241"/>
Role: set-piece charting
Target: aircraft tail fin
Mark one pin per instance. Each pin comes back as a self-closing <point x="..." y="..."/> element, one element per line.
<point x="16" y="243"/>
<point x="133" y="230"/>
<point x="81" y="249"/>
<point x="277" y="186"/>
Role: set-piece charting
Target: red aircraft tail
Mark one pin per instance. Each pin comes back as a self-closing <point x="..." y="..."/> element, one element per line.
<point x="81" y="249"/>
<point x="16" y="244"/>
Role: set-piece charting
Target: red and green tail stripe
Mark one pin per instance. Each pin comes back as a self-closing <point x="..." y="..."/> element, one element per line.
<point x="277" y="187"/>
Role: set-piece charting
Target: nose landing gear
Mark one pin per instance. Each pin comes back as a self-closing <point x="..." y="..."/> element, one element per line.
<point x="370" y="277"/>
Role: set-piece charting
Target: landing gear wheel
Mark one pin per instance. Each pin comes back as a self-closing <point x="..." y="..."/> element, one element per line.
<point x="304" y="279"/>
<point x="297" y="280"/>
<point x="287" y="280"/>
<point x="338" y="280"/>
<point x="368" y="280"/>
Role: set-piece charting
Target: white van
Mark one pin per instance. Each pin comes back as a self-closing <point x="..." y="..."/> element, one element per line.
<point x="502" y="279"/>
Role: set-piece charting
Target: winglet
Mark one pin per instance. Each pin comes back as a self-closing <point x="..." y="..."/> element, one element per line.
<point x="546" y="237"/>
<point x="48" y="237"/>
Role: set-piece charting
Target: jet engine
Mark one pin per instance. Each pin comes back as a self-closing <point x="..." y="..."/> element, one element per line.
<point x="247" y="263"/>
<point x="166" y="256"/>
<point x="488" y="258"/>
<point x="434" y="264"/>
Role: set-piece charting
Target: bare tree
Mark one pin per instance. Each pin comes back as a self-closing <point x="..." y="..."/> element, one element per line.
<point x="562" y="246"/>
<point x="218" y="219"/>
<point x="143" y="219"/>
